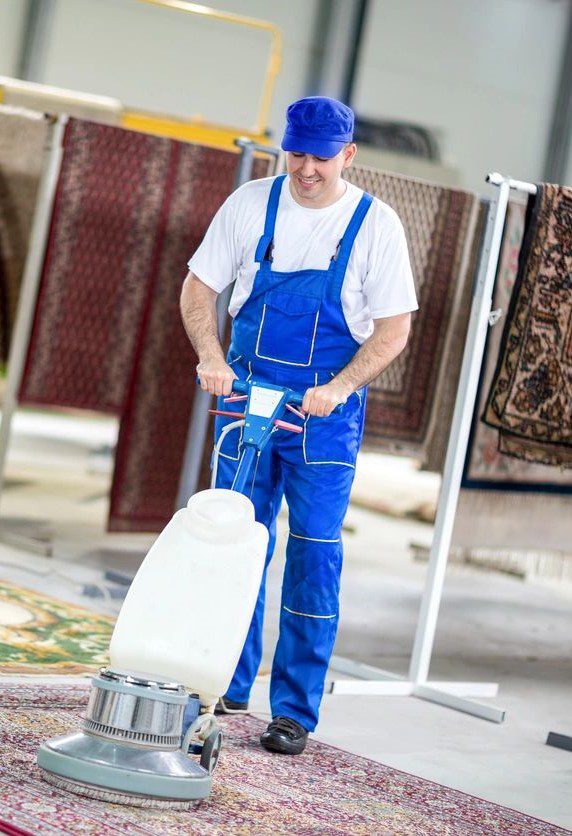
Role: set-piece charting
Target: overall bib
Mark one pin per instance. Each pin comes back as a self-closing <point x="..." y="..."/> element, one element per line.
<point x="292" y="331"/>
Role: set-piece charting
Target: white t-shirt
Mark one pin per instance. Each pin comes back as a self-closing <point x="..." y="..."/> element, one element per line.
<point x="378" y="280"/>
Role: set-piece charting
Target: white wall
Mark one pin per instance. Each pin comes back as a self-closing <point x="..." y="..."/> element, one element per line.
<point x="12" y="13"/>
<point x="480" y="72"/>
<point x="178" y="63"/>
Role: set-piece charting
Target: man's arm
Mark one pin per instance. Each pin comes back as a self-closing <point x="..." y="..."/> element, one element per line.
<point x="389" y="338"/>
<point x="198" y="310"/>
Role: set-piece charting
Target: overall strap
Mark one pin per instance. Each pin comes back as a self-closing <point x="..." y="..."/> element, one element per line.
<point x="340" y="262"/>
<point x="264" y="245"/>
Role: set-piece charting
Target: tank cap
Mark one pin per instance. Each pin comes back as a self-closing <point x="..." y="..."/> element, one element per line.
<point x="219" y="515"/>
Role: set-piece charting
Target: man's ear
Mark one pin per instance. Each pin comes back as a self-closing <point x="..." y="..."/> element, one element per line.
<point x="349" y="153"/>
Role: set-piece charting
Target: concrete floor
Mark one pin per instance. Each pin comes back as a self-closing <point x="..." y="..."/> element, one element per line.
<point x="492" y="627"/>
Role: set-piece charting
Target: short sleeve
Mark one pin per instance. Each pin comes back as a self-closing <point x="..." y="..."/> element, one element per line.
<point x="389" y="287"/>
<point x="217" y="259"/>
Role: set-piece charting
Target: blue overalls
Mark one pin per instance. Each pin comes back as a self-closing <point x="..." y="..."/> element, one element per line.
<point x="292" y="331"/>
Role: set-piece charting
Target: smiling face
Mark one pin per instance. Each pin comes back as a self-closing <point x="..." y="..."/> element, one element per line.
<point x="315" y="181"/>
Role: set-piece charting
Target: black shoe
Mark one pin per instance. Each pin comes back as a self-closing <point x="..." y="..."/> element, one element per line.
<point x="226" y="706"/>
<point x="284" y="735"/>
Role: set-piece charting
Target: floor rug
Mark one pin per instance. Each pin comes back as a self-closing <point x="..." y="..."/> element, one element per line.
<point x="155" y="422"/>
<point x="43" y="635"/>
<point x="439" y="225"/>
<point x="22" y="139"/>
<point x="530" y="400"/>
<point x="486" y="468"/>
<point x="325" y="791"/>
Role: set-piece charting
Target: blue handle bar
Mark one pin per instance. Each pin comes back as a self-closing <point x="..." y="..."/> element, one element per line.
<point x="241" y="387"/>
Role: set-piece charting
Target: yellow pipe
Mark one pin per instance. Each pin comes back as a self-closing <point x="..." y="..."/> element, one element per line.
<point x="203" y="133"/>
<point x="274" y="59"/>
<point x="54" y="100"/>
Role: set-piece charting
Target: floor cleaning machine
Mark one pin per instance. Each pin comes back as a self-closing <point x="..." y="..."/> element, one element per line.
<point x="180" y="631"/>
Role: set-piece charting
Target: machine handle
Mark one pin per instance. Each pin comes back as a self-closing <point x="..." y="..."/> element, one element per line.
<point x="227" y="413"/>
<point x="295" y="411"/>
<point x="235" y="398"/>
<point x="285" y="425"/>
<point x="241" y="387"/>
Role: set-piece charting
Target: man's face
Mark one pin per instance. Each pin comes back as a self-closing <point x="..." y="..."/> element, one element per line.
<point x="316" y="181"/>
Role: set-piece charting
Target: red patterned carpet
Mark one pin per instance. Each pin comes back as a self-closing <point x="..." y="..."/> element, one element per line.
<point x="109" y="215"/>
<point x="325" y="791"/>
<point x="155" y="420"/>
<point x="403" y="404"/>
<point x="129" y="211"/>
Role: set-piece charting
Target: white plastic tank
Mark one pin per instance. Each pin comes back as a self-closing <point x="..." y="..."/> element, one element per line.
<point x="188" y="610"/>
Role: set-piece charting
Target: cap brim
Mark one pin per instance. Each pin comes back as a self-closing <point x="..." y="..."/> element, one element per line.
<point x="316" y="147"/>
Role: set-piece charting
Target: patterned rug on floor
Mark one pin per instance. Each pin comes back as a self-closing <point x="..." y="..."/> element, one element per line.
<point x="325" y="791"/>
<point x="440" y="227"/>
<point x="486" y="468"/>
<point x="39" y="634"/>
<point x="530" y="400"/>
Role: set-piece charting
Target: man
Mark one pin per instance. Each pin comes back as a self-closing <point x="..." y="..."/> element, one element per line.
<point x="321" y="304"/>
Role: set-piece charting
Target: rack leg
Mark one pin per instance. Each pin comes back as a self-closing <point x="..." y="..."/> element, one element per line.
<point x="467" y="706"/>
<point x="560" y="741"/>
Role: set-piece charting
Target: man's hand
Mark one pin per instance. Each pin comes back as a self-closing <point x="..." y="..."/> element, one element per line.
<point x="216" y="376"/>
<point x="322" y="400"/>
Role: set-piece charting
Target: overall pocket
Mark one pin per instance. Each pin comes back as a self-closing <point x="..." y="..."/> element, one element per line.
<point x="337" y="438"/>
<point x="288" y="328"/>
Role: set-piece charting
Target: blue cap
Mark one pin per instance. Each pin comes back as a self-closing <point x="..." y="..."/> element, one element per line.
<point x="319" y="126"/>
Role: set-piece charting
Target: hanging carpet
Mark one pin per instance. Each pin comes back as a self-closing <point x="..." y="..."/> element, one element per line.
<point x="450" y="371"/>
<point x="23" y="137"/>
<point x="107" y="335"/>
<point x="109" y="216"/>
<point x="325" y="791"/>
<point x="156" y="418"/>
<point x="440" y="225"/>
<point x="530" y="400"/>
<point x="486" y="467"/>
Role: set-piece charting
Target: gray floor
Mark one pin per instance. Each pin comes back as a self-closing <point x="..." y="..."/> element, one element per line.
<point x="492" y="627"/>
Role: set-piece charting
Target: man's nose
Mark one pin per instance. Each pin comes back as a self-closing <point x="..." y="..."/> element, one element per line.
<point x="308" y="167"/>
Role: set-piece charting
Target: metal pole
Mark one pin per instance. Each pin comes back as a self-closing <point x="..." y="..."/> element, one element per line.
<point x="353" y="59"/>
<point x="458" y="439"/>
<point x="53" y="153"/>
<point x="202" y="400"/>
<point x="37" y="27"/>
<point x="338" y="32"/>
<point x="561" y="128"/>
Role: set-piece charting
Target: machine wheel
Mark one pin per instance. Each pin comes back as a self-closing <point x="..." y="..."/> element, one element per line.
<point x="211" y="751"/>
